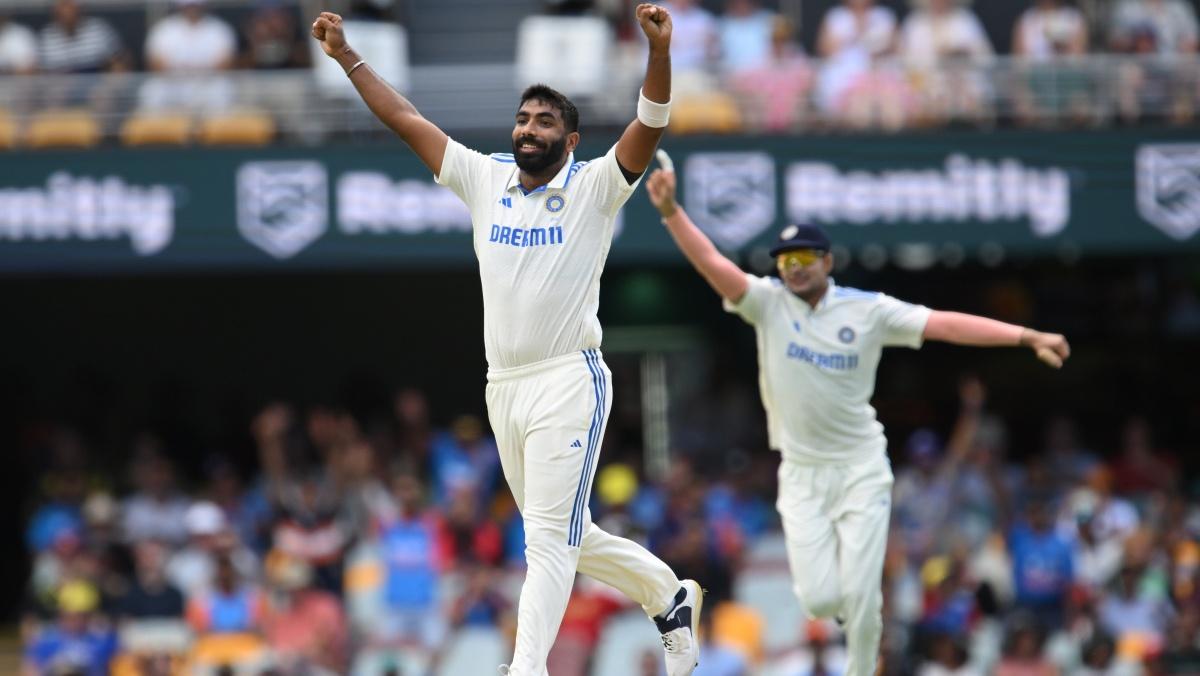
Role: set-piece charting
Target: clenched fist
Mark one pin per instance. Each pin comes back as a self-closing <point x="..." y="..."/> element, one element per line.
<point x="327" y="29"/>
<point x="656" y="24"/>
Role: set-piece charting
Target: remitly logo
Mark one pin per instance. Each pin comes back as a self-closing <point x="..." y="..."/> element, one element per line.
<point x="964" y="189"/>
<point x="79" y="207"/>
<point x="282" y="207"/>
<point x="1168" y="187"/>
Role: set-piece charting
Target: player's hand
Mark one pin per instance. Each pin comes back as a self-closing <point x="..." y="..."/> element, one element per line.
<point x="327" y="29"/>
<point x="1051" y="348"/>
<point x="661" y="187"/>
<point x="656" y="24"/>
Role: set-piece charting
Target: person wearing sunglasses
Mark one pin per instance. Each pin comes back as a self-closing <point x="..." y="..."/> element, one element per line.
<point x="819" y="345"/>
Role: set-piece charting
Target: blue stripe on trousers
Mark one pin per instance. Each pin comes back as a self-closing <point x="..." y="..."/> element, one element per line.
<point x="575" y="529"/>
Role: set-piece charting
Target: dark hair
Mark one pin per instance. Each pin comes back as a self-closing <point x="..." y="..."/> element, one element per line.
<point x="556" y="100"/>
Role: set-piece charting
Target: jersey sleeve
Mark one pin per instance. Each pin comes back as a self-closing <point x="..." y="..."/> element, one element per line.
<point x="752" y="306"/>
<point x="901" y="324"/>
<point x="464" y="171"/>
<point x="606" y="183"/>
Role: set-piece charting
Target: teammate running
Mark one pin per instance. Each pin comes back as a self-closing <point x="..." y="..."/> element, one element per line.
<point x="543" y="224"/>
<point x="818" y="347"/>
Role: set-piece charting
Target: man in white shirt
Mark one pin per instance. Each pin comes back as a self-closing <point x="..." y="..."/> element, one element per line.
<point x="818" y="347"/>
<point x="18" y="48"/>
<point x="543" y="223"/>
<point x="195" y="48"/>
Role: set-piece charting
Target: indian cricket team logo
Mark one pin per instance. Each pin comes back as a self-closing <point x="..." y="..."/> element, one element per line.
<point x="1168" y="187"/>
<point x="731" y="196"/>
<point x="555" y="203"/>
<point x="846" y="335"/>
<point x="282" y="207"/>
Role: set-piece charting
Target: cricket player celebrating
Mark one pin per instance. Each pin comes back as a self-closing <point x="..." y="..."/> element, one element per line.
<point x="818" y="347"/>
<point x="543" y="223"/>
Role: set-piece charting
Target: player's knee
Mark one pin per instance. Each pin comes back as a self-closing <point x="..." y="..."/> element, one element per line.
<point x="544" y="536"/>
<point x="818" y="601"/>
<point x="864" y="606"/>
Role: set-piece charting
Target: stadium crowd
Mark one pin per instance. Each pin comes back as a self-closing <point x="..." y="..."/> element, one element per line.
<point x="738" y="65"/>
<point x="389" y="546"/>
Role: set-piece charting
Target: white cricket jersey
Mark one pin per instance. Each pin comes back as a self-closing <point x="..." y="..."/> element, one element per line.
<point x="817" y="366"/>
<point x="540" y="254"/>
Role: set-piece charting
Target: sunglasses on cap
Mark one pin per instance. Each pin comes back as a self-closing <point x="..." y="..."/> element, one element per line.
<point x="798" y="258"/>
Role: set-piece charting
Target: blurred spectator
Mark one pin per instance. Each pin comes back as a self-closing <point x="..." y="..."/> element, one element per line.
<point x="193" y="568"/>
<point x="309" y="527"/>
<point x="464" y="536"/>
<point x="718" y="660"/>
<point x="1140" y="467"/>
<point x="945" y="47"/>
<point x="272" y="39"/>
<point x="73" y="645"/>
<point x="1023" y="654"/>
<point x="947" y="657"/>
<point x="232" y="605"/>
<point x="190" y="41"/>
<point x="479" y="604"/>
<point x="1097" y="559"/>
<point x="1042" y="564"/>
<point x="816" y="655"/>
<point x="858" y="82"/>
<point x="745" y="32"/>
<point x="408" y="547"/>
<point x="1182" y="654"/>
<point x="157" y="510"/>
<point x="246" y="508"/>
<point x="304" y="626"/>
<point x="150" y="595"/>
<point x="1069" y="460"/>
<point x="1048" y="30"/>
<point x="589" y="606"/>
<point x="192" y="45"/>
<point x="1134" y="616"/>
<point x="18" y="48"/>
<point x="931" y="478"/>
<point x="1168" y="25"/>
<point x="694" y="45"/>
<point x="775" y="93"/>
<point x="74" y="43"/>
<point x="1050" y="80"/>
<point x="463" y="458"/>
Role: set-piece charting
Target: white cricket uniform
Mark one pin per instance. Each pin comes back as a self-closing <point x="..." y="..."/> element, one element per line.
<point x="540" y="258"/>
<point x="817" y="374"/>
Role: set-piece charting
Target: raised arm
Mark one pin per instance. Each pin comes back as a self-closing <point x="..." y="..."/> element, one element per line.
<point x="964" y="329"/>
<point x="637" y="144"/>
<point x="424" y="137"/>
<point x="722" y="274"/>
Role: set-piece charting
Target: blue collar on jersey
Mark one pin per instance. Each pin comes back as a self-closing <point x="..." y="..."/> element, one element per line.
<point x="559" y="182"/>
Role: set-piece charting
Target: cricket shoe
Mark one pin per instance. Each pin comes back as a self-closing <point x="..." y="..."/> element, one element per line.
<point x="678" y="626"/>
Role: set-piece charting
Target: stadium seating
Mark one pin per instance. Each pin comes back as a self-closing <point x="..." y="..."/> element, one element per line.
<point x="157" y="129"/>
<point x="581" y="44"/>
<point x="249" y="127"/>
<point x="63" y="128"/>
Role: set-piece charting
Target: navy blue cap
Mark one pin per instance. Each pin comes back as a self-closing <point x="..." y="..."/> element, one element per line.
<point x="802" y="236"/>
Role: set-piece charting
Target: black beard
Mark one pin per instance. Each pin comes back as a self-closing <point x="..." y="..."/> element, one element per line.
<point x="536" y="164"/>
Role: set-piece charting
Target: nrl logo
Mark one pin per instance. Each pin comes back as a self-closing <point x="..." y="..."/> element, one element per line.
<point x="1168" y="187"/>
<point x="731" y="196"/>
<point x="282" y="207"/>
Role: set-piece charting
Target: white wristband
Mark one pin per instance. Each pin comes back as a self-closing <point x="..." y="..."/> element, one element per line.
<point x="653" y="114"/>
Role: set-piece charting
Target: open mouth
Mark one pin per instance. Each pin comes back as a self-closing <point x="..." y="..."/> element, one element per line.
<point x="529" y="147"/>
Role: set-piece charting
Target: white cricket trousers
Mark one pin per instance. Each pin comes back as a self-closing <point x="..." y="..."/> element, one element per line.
<point x="835" y="521"/>
<point x="549" y="419"/>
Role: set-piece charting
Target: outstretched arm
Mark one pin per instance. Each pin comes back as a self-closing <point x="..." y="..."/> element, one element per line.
<point x="637" y="144"/>
<point x="424" y="137"/>
<point x="964" y="329"/>
<point x="722" y="274"/>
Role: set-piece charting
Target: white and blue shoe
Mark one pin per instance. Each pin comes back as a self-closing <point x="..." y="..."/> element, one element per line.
<point x="679" y="629"/>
